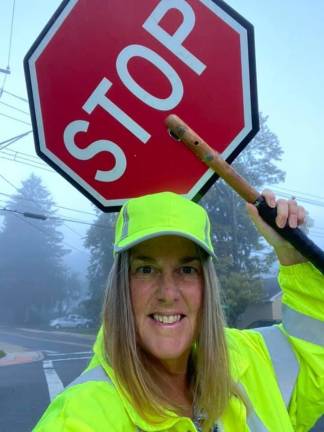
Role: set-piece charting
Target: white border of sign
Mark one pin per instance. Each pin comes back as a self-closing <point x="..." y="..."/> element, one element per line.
<point x="248" y="126"/>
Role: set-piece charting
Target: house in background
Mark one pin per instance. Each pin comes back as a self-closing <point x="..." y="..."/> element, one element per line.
<point x="267" y="311"/>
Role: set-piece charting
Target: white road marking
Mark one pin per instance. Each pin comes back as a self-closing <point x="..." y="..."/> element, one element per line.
<point x="71" y="353"/>
<point x="72" y="358"/>
<point x="54" y="382"/>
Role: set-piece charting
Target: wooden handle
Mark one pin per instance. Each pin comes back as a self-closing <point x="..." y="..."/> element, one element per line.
<point x="182" y="132"/>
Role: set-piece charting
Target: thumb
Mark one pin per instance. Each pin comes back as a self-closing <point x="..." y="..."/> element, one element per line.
<point x="260" y="224"/>
<point x="270" y="235"/>
<point x="254" y="215"/>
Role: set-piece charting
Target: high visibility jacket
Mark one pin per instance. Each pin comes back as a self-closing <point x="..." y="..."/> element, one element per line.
<point x="280" y="369"/>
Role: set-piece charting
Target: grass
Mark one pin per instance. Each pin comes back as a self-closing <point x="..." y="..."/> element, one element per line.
<point x="2" y="354"/>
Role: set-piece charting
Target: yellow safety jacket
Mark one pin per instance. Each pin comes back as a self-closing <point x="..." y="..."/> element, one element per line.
<point x="280" y="369"/>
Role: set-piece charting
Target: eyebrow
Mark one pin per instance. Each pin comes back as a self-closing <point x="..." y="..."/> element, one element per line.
<point x="184" y="260"/>
<point x="142" y="258"/>
<point x="189" y="259"/>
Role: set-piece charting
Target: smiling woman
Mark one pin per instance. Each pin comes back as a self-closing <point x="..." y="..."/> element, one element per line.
<point x="173" y="310"/>
<point x="163" y="360"/>
<point x="166" y="285"/>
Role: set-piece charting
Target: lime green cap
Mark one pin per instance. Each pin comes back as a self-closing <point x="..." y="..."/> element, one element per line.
<point x="163" y="213"/>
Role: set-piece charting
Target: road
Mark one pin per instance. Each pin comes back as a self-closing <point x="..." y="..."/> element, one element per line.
<point x="38" y="365"/>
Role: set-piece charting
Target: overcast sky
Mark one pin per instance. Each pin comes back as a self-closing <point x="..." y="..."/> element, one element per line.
<point x="290" y="69"/>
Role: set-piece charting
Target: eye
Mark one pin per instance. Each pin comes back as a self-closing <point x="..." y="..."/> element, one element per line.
<point x="188" y="270"/>
<point x="144" y="269"/>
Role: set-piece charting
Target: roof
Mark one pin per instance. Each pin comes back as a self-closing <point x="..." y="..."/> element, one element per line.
<point x="271" y="289"/>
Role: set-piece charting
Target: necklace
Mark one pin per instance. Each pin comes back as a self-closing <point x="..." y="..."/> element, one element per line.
<point x="197" y="421"/>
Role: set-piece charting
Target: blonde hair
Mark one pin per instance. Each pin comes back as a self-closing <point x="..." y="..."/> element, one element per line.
<point x="210" y="379"/>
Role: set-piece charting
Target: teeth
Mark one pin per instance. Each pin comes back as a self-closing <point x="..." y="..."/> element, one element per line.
<point x="166" y="319"/>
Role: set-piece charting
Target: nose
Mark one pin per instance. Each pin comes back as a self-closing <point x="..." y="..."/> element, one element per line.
<point x="168" y="288"/>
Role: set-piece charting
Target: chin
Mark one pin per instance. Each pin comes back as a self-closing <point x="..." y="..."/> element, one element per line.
<point x="173" y="353"/>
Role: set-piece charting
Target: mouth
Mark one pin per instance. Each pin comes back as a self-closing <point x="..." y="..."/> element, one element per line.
<point x="166" y="319"/>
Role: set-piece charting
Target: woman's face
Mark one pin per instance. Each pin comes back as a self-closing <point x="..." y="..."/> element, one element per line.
<point x="166" y="285"/>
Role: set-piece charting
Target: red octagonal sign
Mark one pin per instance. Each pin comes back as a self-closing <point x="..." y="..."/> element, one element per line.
<point x="104" y="74"/>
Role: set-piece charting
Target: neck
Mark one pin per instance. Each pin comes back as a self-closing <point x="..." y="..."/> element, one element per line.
<point x="174" y="381"/>
<point x="177" y="385"/>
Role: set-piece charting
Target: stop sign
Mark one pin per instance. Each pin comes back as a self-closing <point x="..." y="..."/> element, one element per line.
<point x="103" y="75"/>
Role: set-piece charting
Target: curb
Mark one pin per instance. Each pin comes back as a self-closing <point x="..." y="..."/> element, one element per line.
<point x="21" y="357"/>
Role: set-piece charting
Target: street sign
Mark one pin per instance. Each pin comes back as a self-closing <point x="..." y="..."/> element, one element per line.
<point x="104" y="74"/>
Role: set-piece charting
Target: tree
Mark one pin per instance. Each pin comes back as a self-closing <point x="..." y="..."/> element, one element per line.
<point x="242" y="254"/>
<point x="32" y="274"/>
<point x="99" y="240"/>
<point x="73" y="293"/>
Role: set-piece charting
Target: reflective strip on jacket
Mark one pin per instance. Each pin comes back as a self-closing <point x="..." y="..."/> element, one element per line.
<point x="280" y="370"/>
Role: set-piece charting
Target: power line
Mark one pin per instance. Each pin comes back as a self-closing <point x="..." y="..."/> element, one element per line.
<point x="55" y="205"/>
<point x="15" y="138"/>
<point x="30" y="199"/>
<point x="44" y="232"/>
<point x="300" y="193"/>
<point x="25" y="214"/>
<point x="44" y="217"/>
<point x="65" y="208"/>
<point x="57" y="218"/>
<point x="37" y="216"/>
<point x="15" y="96"/>
<point x="27" y="164"/>
<point x="7" y="71"/>
<point x="14" y="108"/>
<point x="11" y="31"/>
<point x="9" y="183"/>
<point x="300" y="198"/>
<point x="26" y="155"/>
<point x="18" y="156"/>
<point x="12" y="140"/>
<point x="39" y="163"/>
<point x="73" y="230"/>
<point x="3" y="83"/>
<point x="14" y="118"/>
<point x="68" y="219"/>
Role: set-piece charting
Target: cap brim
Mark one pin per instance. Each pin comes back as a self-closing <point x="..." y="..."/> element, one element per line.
<point x="150" y="234"/>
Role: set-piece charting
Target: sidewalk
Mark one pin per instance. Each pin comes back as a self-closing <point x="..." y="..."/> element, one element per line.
<point x="21" y="357"/>
<point x="16" y="354"/>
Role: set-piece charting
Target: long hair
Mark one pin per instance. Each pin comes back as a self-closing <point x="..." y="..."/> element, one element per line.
<point x="210" y="379"/>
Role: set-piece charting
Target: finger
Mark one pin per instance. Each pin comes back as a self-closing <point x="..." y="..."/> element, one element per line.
<point x="269" y="197"/>
<point x="282" y="213"/>
<point x="301" y="215"/>
<point x="292" y="213"/>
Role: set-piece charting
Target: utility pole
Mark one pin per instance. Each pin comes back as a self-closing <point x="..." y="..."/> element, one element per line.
<point x="6" y="71"/>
